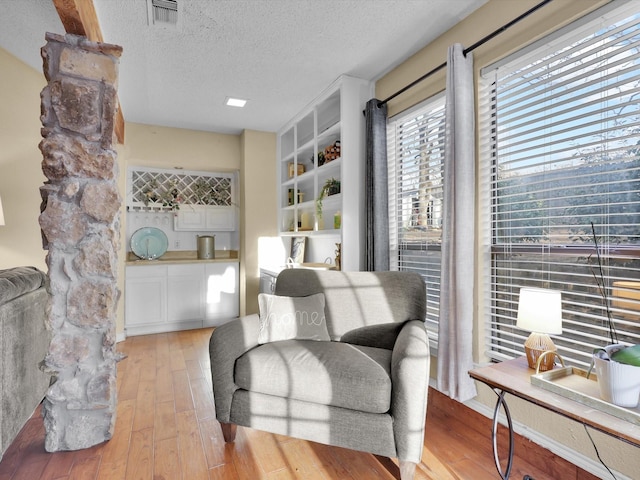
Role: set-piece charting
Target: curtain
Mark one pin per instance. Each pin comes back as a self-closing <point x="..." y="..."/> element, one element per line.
<point x="377" y="194"/>
<point x="455" y="337"/>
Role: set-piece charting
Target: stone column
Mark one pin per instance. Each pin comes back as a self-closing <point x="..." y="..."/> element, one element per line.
<point x="80" y="226"/>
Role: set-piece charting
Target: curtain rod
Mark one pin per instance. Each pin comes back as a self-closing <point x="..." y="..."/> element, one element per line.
<point x="479" y="43"/>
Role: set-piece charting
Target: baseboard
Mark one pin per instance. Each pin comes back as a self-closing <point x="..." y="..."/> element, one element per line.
<point x="121" y="337"/>
<point x="557" y="448"/>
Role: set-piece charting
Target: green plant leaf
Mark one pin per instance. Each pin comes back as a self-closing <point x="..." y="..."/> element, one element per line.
<point x="628" y="356"/>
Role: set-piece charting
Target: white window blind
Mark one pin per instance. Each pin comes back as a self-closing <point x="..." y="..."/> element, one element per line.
<point x="415" y="152"/>
<point x="560" y="151"/>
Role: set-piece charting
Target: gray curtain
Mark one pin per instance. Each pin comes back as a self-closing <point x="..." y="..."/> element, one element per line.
<point x="377" y="195"/>
<point x="455" y="337"/>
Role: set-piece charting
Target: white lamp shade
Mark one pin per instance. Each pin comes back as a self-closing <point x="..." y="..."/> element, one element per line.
<point x="540" y="310"/>
<point x="1" y="213"/>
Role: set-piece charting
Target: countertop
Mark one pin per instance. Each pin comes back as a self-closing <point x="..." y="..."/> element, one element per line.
<point x="184" y="257"/>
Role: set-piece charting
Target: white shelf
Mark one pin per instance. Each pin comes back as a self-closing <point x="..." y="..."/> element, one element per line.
<point x="336" y="115"/>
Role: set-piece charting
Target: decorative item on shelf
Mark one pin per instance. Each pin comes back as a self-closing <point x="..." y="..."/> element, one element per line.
<point x="202" y="192"/>
<point x="331" y="152"/>
<point x="149" y="243"/>
<point x="617" y="365"/>
<point x="206" y="194"/>
<point x="297" y="249"/>
<point x="321" y="159"/>
<point x="330" y="187"/>
<point x="619" y="383"/>
<point x="149" y="192"/>
<point x="305" y="221"/>
<point x="168" y="197"/>
<point x="294" y="169"/>
<point x="300" y="197"/>
<point x="337" y="220"/>
<point x="338" y="259"/>
<point x="290" y="196"/>
<point x="540" y="312"/>
<point x="206" y="246"/>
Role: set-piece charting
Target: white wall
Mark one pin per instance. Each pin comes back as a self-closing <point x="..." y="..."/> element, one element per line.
<point x="20" y="171"/>
<point x="258" y="217"/>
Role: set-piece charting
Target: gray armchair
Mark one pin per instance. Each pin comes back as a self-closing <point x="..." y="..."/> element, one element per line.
<point x="366" y="389"/>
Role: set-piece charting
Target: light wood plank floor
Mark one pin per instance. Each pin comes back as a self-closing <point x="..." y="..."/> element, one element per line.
<point x="166" y="430"/>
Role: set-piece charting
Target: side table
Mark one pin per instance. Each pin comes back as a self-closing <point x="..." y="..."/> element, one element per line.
<point x="514" y="377"/>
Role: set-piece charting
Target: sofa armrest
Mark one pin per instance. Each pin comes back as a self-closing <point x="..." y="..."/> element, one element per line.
<point x="410" y="381"/>
<point x="228" y="342"/>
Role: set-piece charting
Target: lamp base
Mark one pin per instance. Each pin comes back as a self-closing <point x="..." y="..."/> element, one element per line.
<point x="536" y="345"/>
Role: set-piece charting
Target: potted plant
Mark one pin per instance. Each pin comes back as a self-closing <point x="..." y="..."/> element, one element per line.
<point x="330" y="187"/>
<point x="617" y="365"/>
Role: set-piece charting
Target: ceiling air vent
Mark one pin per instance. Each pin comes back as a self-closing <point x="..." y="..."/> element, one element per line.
<point x="163" y="12"/>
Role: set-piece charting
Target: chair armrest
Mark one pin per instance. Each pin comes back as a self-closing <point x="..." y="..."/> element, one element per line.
<point x="410" y="382"/>
<point x="382" y="335"/>
<point x="228" y="342"/>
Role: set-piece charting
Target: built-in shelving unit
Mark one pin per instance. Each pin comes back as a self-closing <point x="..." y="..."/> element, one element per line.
<point x="334" y="118"/>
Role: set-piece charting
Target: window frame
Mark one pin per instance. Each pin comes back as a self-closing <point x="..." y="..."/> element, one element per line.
<point x="501" y="311"/>
<point x="400" y="249"/>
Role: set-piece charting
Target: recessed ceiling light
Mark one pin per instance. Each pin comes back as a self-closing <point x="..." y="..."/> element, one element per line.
<point x="235" y="102"/>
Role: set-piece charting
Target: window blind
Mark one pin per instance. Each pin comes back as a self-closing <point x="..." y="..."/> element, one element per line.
<point x="560" y="156"/>
<point x="415" y="154"/>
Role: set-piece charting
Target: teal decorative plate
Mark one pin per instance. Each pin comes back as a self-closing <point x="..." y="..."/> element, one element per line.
<point x="149" y="243"/>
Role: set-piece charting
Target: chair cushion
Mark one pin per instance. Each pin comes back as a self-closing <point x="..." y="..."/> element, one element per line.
<point x="328" y="373"/>
<point x="285" y="318"/>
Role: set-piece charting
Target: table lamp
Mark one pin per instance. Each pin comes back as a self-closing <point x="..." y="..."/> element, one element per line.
<point x="540" y="312"/>
<point x="1" y="213"/>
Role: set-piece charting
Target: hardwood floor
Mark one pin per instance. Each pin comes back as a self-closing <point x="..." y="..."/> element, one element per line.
<point x="166" y="430"/>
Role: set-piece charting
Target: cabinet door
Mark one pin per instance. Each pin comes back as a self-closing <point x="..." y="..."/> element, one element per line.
<point x="145" y="296"/>
<point x="185" y="293"/>
<point x="222" y="297"/>
<point x="189" y="218"/>
<point x="220" y="219"/>
<point x="199" y="218"/>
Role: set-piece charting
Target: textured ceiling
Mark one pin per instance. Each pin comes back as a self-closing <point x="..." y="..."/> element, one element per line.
<point x="279" y="54"/>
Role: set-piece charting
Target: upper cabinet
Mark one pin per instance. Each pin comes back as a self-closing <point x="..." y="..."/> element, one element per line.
<point x="321" y="171"/>
<point x="204" y="218"/>
<point x="202" y="201"/>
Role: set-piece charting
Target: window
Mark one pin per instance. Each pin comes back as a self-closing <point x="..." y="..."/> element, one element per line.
<point x="560" y="151"/>
<point x="415" y="152"/>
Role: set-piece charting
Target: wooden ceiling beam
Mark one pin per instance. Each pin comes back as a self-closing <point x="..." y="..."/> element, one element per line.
<point x="79" y="18"/>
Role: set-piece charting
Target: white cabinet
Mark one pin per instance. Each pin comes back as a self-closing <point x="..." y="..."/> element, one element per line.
<point x="221" y="293"/>
<point x="205" y="218"/>
<point x="164" y="298"/>
<point x="334" y="118"/>
<point x="185" y="299"/>
<point x="146" y="291"/>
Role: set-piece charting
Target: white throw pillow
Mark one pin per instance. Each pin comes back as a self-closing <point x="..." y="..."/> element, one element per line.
<point x="285" y="318"/>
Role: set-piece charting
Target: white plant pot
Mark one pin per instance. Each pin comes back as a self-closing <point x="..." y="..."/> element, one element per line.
<point x="619" y="383"/>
